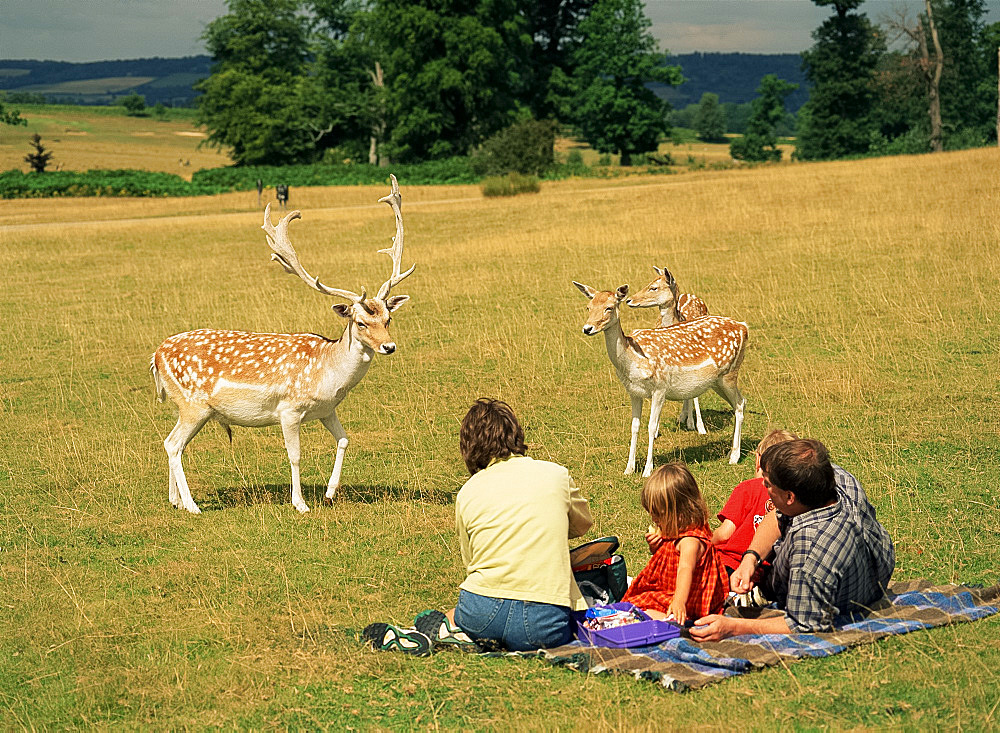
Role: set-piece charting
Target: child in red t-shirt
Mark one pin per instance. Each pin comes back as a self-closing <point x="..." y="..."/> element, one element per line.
<point x="684" y="579"/>
<point x="746" y="509"/>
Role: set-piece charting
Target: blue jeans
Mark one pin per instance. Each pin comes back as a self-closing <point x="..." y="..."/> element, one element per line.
<point x="520" y="625"/>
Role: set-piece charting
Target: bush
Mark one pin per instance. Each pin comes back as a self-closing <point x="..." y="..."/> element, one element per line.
<point x="244" y="178"/>
<point x="510" y="185"/>
<point x="524" y="147"/>
<point x="134" y="104"/>
<point x="16" y="184"/>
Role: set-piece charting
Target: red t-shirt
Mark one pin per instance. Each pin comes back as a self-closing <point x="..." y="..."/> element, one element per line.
<point x="746" y="508"/>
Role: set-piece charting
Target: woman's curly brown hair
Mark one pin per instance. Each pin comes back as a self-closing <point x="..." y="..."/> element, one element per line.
<point x="489" y="431"/>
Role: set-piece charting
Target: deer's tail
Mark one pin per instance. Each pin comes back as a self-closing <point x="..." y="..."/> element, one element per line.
<point x="158" y="387"/>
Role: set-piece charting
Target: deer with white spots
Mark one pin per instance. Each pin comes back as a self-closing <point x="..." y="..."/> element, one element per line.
<point x="674" y="308"/>
<point x="676" y="363"/>
<point x="258" y="379"/>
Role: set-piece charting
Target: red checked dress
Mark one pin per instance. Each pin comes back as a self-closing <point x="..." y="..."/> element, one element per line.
<point x="653" y="589"/>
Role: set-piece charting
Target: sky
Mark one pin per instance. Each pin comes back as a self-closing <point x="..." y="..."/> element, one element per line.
<point x="99" y="30"/>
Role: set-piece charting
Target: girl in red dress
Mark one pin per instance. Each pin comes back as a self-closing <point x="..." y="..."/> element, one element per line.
<point x="685" y="578"/>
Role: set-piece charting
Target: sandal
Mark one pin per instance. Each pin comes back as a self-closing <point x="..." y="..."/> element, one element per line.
<point x="436" y="626"/>
<point x="386" y="637"/>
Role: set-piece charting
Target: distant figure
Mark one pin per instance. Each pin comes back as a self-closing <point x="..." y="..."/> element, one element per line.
<point x="260" y="190"/>
<point x="281" y="191"/>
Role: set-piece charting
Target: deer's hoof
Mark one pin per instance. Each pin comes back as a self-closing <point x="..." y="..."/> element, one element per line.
<point x="327" y="501"/>
<point x="303" y="509"/>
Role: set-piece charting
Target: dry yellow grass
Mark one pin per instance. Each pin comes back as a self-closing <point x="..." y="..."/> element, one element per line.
<point x="83" y="138"/>
<point x="870" y="288"/>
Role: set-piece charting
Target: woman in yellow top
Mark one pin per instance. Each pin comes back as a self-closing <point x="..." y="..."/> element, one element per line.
<point x="514" y="516"/>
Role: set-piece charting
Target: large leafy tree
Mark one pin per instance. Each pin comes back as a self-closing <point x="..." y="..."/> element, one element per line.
<point x="262" y="100"/>
<point x="838" y="119"/>
<point x="554" y="29"/>
<point x="966" y="99"/>
<point x="451" y="75"/>
<point x="615" y="111"/>
<point x="760" y="142"/>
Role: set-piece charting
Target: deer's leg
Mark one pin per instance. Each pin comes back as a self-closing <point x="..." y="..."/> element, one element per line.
<point x="332" y="424"/>
<point x="636" y="419"/>
<point x="290" y="425"/>
<point x="684" y="418"/>
<point x="694" y="420"/>
<point x="186" y="428"/>
<point x="655" y="407"/>
<point x="727" y="389"/>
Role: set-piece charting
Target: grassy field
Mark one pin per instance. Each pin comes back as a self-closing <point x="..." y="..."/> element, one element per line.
<point x="83" y="138"/>
<point x="870" y="289"/>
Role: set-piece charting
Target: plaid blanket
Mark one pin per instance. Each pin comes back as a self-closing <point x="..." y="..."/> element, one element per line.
<point x="683" y="664"/>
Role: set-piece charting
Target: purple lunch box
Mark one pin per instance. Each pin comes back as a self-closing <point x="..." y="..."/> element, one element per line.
<point x="641" y="633"/>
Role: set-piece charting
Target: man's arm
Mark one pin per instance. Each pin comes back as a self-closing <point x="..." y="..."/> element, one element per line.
<point x="716" y="627"/>
<point x="763" y="541"/>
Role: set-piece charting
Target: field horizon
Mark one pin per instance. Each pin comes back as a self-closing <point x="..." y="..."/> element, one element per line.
<point x="870" y="290"/>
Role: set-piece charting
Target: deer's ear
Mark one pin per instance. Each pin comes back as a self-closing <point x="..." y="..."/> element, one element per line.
<point x="342" y="309"/>
<point x="585" y="289"/>
<point x="393" y="302"/>
<point x="658" y="270"/>
<point x="622" y="292"/>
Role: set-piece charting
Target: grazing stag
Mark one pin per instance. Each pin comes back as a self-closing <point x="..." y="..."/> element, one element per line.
<point x="676" y="363"/>
<point x="258" y="379"/>
<point x="674" y="308"/>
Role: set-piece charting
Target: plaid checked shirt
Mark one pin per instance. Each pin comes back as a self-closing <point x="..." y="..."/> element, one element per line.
<point x="832" y="560"/>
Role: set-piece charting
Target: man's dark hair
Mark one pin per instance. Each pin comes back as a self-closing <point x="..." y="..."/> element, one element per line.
<point x="489" y="430"/>
<point x="803" y="468"/>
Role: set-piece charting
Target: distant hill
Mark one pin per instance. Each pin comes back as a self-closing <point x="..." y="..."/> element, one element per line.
<point x="733" y="76"/>
<point x="168" y="81"/>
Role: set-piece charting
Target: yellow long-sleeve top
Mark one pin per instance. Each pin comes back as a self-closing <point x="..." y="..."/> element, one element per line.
<point x="514" y="518"/>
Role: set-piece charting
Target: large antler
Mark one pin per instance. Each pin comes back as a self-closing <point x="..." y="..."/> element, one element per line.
<point x="396" y="250"/>
<point x="284" y="255"/>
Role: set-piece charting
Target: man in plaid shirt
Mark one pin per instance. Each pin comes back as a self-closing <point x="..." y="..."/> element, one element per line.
<point x="832" y="556"/>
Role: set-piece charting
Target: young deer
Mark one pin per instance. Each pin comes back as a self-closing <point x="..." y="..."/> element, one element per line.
<point x="676" y="363"/>
<point x="258" y="379"/>
<point x="674" y="308"/>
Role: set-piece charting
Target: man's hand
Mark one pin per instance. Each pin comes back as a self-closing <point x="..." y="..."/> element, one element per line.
<point x="741" y="581"/>
<point x="714" y="627"/>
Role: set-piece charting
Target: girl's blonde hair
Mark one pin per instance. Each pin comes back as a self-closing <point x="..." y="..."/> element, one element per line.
<point x="671" y="497"/>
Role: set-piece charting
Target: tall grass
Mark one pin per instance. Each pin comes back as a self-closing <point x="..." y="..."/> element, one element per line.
<point x="870" y="289"/>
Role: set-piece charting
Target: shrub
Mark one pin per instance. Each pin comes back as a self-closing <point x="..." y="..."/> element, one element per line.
<point x="134" y="104"/>
<point x="524" y="147"/>
<point x="510" y="185"/>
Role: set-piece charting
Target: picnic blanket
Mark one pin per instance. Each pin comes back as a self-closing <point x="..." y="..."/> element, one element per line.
<point x="683" y="664"/>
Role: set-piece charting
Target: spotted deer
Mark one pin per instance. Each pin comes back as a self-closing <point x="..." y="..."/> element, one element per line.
<point x="676" y="363"/>
<point x="674" y="308"/>
<point x="259" y="379"/>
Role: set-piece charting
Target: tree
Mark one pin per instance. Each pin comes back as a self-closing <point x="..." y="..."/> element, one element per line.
<point x="39" y="159"/>
<point x="260" y="101"/>
<point x="134" y="104"/>
<point x="451" y="74"/>
<point x="615" y="110"/>
<point x="966" y="91"/>
<point x="11" y="116"/>
<point x="710" y="119"/>
<point x="838" y="119"/>
<point x="929" y="61"/>
<point x="760" y="142"/>
<point x="554" y="28"/>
